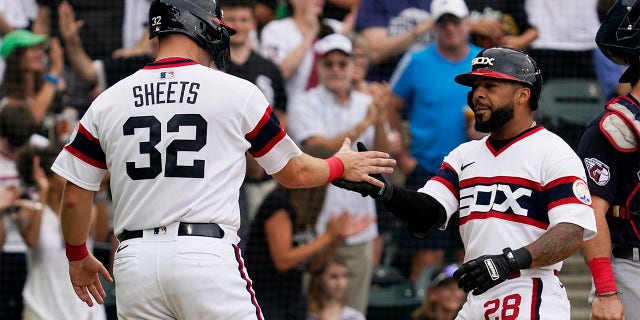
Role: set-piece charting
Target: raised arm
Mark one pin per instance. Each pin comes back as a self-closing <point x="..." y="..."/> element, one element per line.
<point x="81" y="63"/>
<point x="305" y="171"/>
<point x="383" y="46"/>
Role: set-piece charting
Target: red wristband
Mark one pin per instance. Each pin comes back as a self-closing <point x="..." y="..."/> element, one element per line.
<point x="336" y="168"/>
<point x="75" y="253"/>
<point x="602" y="275"/>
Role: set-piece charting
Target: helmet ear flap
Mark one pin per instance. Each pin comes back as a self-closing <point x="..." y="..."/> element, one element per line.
<point x="219" y="48"/>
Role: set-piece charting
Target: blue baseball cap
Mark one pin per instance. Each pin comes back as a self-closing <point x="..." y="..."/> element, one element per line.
<point x="445" y="274"/>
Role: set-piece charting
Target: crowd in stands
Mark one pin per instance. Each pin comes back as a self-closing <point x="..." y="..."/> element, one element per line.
<point x="375" y="71"/>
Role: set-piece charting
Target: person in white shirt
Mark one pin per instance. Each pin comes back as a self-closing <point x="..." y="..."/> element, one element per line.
<point x="326" y="115"/>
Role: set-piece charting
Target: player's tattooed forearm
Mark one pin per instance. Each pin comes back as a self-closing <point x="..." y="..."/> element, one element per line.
<point x="556" y="244"/>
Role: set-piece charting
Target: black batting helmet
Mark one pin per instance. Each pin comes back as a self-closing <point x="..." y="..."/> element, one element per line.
<point x="505" y="64"/>
<point x="201" y="20"/>
<point x="619" y="37"/>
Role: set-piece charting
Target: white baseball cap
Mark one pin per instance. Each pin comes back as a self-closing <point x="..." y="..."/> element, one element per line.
<point x="333" y="42"/>
<point x="455" y="7"/>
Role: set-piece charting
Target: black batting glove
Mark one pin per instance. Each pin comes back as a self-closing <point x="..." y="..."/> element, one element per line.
<point x="365" y="188"/>
<point x="485" y="272"/>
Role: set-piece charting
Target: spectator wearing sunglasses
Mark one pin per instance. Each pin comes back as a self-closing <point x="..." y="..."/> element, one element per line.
<point x="425" y="95"/>
<point x="325" y="116"/>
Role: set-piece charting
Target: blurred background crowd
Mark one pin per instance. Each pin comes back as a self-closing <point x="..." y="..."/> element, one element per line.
<point x="376" y="71"/>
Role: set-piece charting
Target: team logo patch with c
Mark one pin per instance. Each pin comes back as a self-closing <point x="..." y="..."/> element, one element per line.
<point x="598" y="171"/>
<point x="581" y="191"/>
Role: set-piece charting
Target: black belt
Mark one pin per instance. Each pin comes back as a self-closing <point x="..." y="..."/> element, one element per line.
<point x="212" y="230"/>
<point x="627" y="253"/>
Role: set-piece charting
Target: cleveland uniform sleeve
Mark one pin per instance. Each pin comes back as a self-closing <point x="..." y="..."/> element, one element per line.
<point x="82" y="160"/>
<point x="599" y="159"/>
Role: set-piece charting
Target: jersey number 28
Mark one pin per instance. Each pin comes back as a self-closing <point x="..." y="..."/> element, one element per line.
<point x="172" y="169"/>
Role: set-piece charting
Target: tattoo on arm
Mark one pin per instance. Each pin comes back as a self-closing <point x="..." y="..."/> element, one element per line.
<point x="557" y="244"/>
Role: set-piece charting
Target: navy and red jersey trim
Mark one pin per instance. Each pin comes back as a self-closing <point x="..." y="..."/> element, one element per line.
<point x="521" y="182"/>
<point x="504" y="216"/>
<point x="560" y="191"/>
<point x="449" y="178"/>
<point x="267" y="133"/>
<point x="535" y="203"/>
<point x="169" y="63"/>
<point x="87" y="148"/>
<point x="526" y="133"/>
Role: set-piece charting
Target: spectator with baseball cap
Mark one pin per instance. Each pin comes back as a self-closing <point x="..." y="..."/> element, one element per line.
<point x="289" y="43"/>
<point x="443" y="299"/>
<point x="20" y="39"/>
<point x="425" y="93"/>
<point x="326" y="115"/>
<point x="27" y="79"/>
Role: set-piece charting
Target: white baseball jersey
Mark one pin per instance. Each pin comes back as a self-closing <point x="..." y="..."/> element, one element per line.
<point x="173" y="137"/>
<point x="509" y="197"/>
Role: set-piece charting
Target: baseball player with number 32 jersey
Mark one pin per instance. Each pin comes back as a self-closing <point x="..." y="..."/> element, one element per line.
<point x="521" y="194"/>
<point x="173" y="137"/>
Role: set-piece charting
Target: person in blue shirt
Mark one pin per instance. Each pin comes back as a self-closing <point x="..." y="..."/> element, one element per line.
<point x="433" y="104"/>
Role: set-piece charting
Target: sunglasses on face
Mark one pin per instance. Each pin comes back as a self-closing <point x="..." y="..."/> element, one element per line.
<point x="446" y="19"/>
<point x="330" y="63"/>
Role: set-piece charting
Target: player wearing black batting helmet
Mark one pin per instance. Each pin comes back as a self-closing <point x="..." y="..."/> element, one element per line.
<point x="505" y="64"/>
<point x="201" y="20"/>
<point x="520" y="187"/>
<point x="609" y="151"/>
<point x="619" y="37"/>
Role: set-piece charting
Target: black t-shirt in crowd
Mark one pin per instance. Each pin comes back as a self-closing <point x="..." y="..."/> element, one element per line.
<point x="278" y="293"/>
<point x="511" y="13"/>
<point x="264" y="74"/>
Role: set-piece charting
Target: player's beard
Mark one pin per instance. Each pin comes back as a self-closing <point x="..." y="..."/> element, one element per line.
<point x="497" y="119"/>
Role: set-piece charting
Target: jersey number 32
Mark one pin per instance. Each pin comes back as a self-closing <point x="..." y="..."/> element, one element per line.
<point x="172" y="169"/>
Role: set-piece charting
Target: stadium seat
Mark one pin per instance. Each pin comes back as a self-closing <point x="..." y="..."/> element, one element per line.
<point x="423" y="281"/>
<point x="568" y="105"/>
<point x="392" y="295"/>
